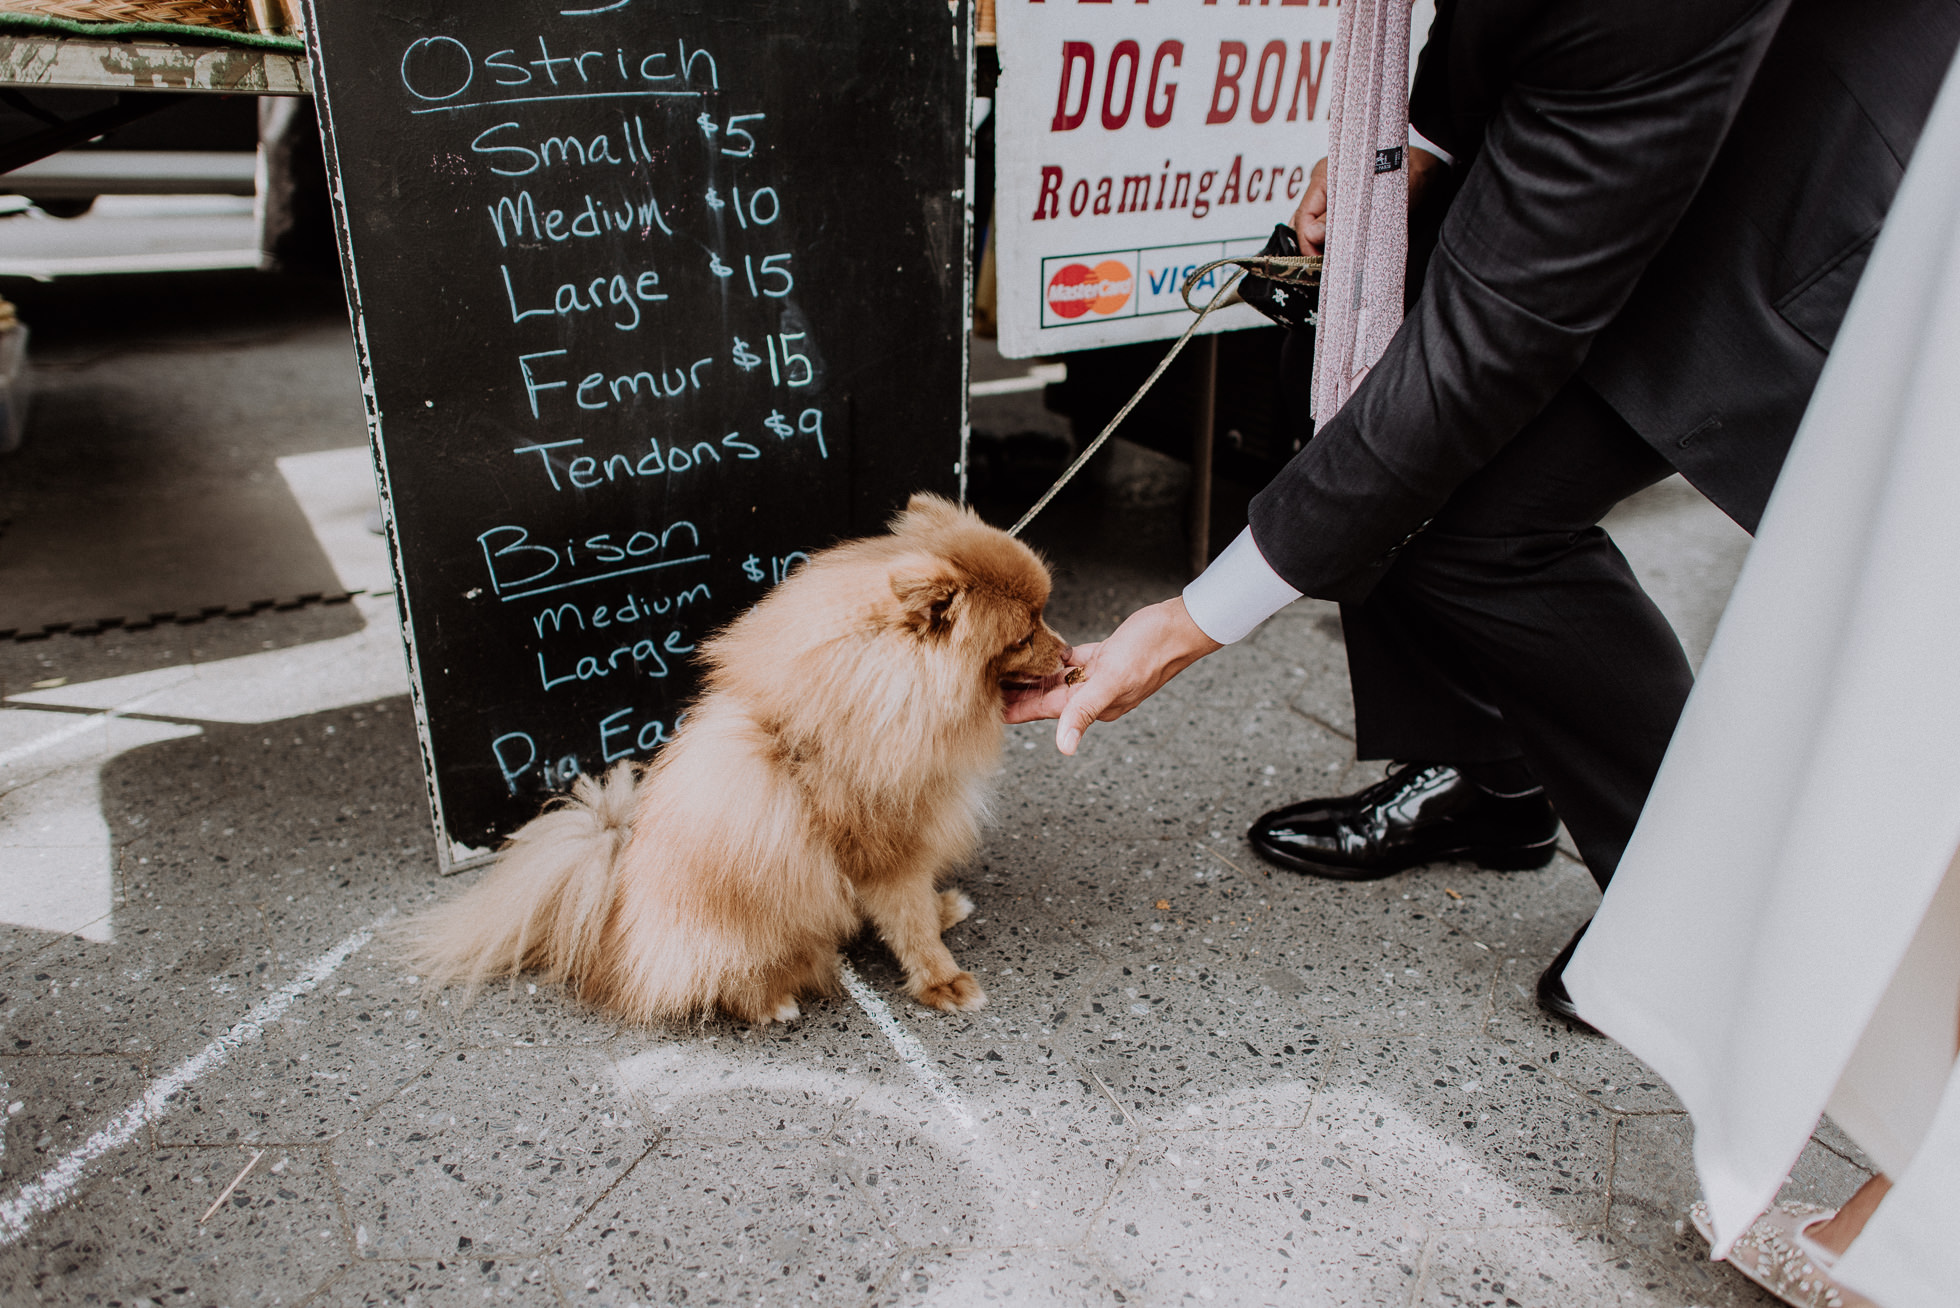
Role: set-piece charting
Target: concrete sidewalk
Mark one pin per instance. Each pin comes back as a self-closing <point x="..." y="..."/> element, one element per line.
<point x="1197" y="1081"/>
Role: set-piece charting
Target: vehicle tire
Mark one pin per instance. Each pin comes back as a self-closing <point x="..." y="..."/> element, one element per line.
<point x="70" y="206"/>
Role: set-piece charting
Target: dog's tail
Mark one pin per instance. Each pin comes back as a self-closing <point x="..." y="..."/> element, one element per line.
<point x="546" y="904"/>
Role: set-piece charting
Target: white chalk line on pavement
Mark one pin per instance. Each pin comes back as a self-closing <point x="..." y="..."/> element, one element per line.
<point x="73" y="729"/>
<point x="909" y="1050"/>
<point x="53" y="1186"/>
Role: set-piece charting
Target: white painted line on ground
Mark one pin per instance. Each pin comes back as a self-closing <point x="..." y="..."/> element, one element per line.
<point x="72" y="730"/>
<point x="53" y="1186"/>
<point x="909" y="1050"/>
<point x="1032" y="380"/>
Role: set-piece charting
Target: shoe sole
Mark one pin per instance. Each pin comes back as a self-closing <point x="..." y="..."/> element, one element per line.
<point x="1521" y="858"/>
<point x="1565" y="1012"/>
<point x="1569" y="1016"/>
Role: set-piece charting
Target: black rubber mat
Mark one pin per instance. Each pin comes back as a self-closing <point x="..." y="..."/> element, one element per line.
<point x="147" y="487"/>
<point x="75" y="562"/>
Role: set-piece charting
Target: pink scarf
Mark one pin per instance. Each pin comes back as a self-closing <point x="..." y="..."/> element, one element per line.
<point x="1368" y="199"/>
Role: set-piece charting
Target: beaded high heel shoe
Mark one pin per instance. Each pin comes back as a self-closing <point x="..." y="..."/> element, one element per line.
<point x="1775" y="1254"/>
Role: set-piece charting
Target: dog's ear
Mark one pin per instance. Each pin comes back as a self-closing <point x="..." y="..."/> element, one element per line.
<point x="924" y="512"/>
<point x="926" y="588"/>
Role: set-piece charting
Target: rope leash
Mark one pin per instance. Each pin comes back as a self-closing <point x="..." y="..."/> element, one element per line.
<point x="1291" y="270"/>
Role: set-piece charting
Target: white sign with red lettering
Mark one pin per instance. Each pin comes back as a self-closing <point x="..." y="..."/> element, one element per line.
<point x="1139" y="140"/>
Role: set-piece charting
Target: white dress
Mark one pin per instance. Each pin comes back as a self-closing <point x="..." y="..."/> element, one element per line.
<point x="1784" y="931"/>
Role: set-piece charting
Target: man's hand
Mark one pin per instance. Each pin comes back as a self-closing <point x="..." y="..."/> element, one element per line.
<point x="1046" y="700"/>
<point x="1310" y="219"/>
<point x="1152" y="646"/>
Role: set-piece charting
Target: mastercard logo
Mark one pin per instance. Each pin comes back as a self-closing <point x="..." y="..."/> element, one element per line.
<point x="1076" y="288"/>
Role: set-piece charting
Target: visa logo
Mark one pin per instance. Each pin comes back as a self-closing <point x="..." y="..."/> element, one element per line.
<point x="1173" y="277"/>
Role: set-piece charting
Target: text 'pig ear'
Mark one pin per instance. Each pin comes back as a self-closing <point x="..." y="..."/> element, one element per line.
<point x="926" y="588"/>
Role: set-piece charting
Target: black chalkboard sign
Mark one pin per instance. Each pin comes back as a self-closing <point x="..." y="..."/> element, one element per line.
<point x="651" y="298"/>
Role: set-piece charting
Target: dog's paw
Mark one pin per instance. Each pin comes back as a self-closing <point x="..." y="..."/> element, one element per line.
<point x="953" y="907"/>
<point x="786" y="1011"/>
<point x="957" y="994"/>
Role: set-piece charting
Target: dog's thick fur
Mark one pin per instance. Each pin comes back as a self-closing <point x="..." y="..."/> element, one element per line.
<point x="831" y="771"/>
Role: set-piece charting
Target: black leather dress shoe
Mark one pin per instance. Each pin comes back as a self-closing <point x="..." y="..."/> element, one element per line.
<point x="1419" y="813"/>
<point x="1553" y="997"/>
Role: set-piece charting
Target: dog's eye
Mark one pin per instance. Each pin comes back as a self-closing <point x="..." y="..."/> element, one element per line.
<point x="1024" y="642"/>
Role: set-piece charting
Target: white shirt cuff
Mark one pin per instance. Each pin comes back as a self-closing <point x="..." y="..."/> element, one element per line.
<point x="1422" y="142"/>
<point x="1237" y="592"/>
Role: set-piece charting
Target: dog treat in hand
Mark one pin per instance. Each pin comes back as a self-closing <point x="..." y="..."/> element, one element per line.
<point x="1074" y="675"/>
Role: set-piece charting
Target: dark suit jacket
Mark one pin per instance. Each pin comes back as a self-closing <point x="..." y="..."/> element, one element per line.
<point x="1672" y="200"/>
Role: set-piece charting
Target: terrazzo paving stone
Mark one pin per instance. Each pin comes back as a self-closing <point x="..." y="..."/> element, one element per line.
<point x="1031" y="965"/>
<point x="1368" y="953"/>
<point x="170" y="981"/>
<point x="1544" y="1267"/>
<point x="18" y="943"/>
<point x="335" y="1054"/>
<point x="1214" y="1047"/>
<point x="1252" y="1218"/>
<point x="1126" y="780"/>
<point x="447" y="1282"/>
<point x="1459" y="1135"/>
<point x="1007" y="1181"/>
<point x="1024" y="1078"/>
<point x="1379" y="956"/>
<point x="999" y="1276"/>
<point x="748" y="1222"/>
<point x="1238" y="676"/>
<point x="62" y="1101"/>
<point x="1832" y="1136"/>
<point x="503" y="1147"/>
<point x="723" y="1082"/>
<point x="1108" y="893"/>
<point x="1601" y="1069"/>
<point x="310" y="908"/>
<point x="1042" y="1148"/>
<point x="1643" y="1277"/>
<point x="1488" y="906"/>
<point x="515" y="1011"/>
<point x="132" y="1233"/>
<point x="1547" y="906"/>
<point x="324" y="893"/>
<point x="1261" y="757"/>
<point x="1008" y="1062"/>
<point x="1654" y="1183"/>
<point x="246" y="800"/>
<point x="1305" y="639"/>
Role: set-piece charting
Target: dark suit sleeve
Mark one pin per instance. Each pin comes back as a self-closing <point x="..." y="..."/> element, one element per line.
<point x="1429" y="107"/>
<point x="1601" y="129"/>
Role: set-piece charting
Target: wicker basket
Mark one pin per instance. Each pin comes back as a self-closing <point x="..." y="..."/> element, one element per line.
<point x="233" y="15"/>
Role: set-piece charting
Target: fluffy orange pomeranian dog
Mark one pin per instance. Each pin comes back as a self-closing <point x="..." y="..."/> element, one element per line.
<point x="833" y="769"/>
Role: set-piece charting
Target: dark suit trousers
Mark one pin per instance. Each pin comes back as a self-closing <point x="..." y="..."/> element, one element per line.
<point x="1511" y="626"/>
